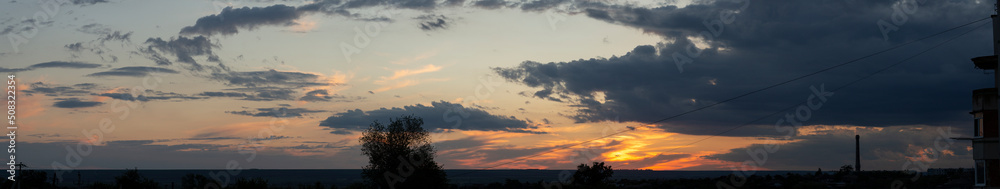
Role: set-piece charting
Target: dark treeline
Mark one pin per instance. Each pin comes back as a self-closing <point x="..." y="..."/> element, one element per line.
<point x="597" y="176"/>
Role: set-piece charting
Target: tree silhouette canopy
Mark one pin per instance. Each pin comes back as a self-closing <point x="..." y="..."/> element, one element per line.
<point x="400" y="155"/>
<point x="132" y="179"/>
<point x="596" y="175"/>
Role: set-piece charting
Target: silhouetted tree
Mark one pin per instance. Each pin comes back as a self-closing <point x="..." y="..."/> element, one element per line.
<point x="400" y="155"/>
<point x="596" y="175"/>
<point x="243" y="183"/>
<point x="132" y="179"/>
<point x="846" y="169"/>
<point x="197" y="181"/>
<point x="101" y="185"/>
<point x="33" y="179"/>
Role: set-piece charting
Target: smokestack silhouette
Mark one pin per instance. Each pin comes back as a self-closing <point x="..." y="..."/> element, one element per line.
<point x="857" y="152"/>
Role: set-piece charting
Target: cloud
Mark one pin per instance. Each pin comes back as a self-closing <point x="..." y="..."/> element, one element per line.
<point x="276" y="93"/>
<point x="881" y="149"/>
<point x="271" y="78"/>
<point x="75" y="46"/>
<point x="490" y="4"/>
<point x="267" y="94"/>
<point x="60" y="64"/>
<point x="230" y="20"/>
<point x="59" y="90"/>
<point x="766" y="44"/>
<point x="316" y="95"/>
<point x="277" y="85"/>
<point x="276" y="112"/>
<point x="147" y="95"/>
<point x="75" y="103"/>
<point x="156" y="155"/>
<point x="435" y="115"/>
<point x="133" y="71"/>
<point x="433" y="22"/>
<point x="53" y="64"/>
<point x="224" y="94"/>
<point x="99" y="46"/>
<point x="542" y="5"/>
<point x="408" y="72"/>
<point x="88" y="2"/>
<point x="13" y="69"/>
<point x="183" y="48"/>
<point x="657" y="159"/>
<point x="261" y="93"/>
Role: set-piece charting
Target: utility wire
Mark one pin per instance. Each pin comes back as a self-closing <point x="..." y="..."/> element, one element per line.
<point x="756" y="91"/>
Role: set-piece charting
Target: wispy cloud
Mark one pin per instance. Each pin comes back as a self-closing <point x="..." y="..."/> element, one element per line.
<point x="408" y="72"/>
<point x="395" y="81"/>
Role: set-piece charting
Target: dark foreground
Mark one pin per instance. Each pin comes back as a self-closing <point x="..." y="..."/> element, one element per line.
<point x="315" y="179"/>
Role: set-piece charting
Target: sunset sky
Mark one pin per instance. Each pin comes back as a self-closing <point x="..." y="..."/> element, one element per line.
<point x="198" y="84"/>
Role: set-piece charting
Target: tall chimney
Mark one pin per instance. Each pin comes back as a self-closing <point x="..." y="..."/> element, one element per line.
<point x="857" y="152"/>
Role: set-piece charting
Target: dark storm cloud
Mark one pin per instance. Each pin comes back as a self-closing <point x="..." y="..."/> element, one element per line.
<point x="434" y="117"/>
<point x="133" y="71"/>
<point x="231" y="19"/>
<point x="767" y="43"/>
<point x="183" y="48"/>
<point x="74" y="103"/>
<point x="276" y="112"/>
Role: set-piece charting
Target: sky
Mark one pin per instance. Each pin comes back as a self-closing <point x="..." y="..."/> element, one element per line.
<point x="549" y="84"/>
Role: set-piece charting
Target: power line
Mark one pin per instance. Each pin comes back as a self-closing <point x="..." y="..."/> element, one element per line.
<point x="759" y="90"/>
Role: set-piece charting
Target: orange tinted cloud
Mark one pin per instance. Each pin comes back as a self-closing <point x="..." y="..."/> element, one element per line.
<point x="28" y="106"/>
<point x="408" y="72"/>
